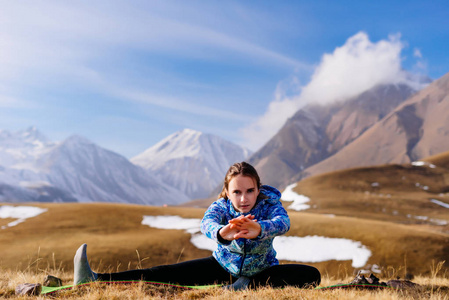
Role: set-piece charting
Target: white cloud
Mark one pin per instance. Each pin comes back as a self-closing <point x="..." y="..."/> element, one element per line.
<point x="285" y="104"/>
<point x="349" y="70"/>
<point x="354" y="68"/>
<point x="417" y="53"/>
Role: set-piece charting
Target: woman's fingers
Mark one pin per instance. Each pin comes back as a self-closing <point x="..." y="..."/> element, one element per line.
<point x="244" y="227"/>
<point x="242" y="219"/>
<point x="241" y="234"/>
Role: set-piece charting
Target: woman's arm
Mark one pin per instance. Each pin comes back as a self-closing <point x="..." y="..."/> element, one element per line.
<point x="214" y="220"/>
<point x="277" y="222"/>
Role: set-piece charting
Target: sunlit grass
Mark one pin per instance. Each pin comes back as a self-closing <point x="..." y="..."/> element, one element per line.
<point x="430" y="288"/>
<point x="117" y="241"/>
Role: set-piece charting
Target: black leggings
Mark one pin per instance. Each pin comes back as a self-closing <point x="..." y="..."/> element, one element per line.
<point x="205" y="271"/>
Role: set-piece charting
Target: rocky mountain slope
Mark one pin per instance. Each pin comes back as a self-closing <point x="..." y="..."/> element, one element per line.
<point x="417" y="128"/>
<point x="317" y="132"/>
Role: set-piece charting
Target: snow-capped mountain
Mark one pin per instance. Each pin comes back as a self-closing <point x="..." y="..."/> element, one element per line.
<point x="33" y="169"/>
<point x="22" y="147"/>
<point x="191" y="161"/>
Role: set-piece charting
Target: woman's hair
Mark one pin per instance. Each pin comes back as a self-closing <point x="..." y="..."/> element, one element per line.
<point x="236" y="169"/>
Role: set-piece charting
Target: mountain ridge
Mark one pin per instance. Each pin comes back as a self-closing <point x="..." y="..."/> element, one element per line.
<point x="192" y="161"/>
<point x="77" y="169"/>
<point x="32" y="168"/>
<point x="316" y="132"/>
<point x="415" y="129"/>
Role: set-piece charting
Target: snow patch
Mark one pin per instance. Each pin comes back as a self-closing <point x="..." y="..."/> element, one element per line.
<point x="422" y="164"/>
<point x="441" y="203"/>
<point x="318" y="248"/>
<point x="301" y="249"/>
<point x="203" y="242"/>
<point x="298" y="200"/>
<point x="21" y="213"/>
<point x="34" y="184"/>
<point x="424" y="187"/>
<point x="173" y="222"/>
<point x="438" y="222"/>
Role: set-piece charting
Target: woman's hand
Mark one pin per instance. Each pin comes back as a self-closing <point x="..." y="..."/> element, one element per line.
<point x="228" y="232"/>
<point x="241" y="227"/>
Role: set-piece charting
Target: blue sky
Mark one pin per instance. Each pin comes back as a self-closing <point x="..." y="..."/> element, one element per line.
<point x="125" y="74"/>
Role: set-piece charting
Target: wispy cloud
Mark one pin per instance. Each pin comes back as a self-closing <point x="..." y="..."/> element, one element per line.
<point x="9" y="102"/>
<point x="417" y="53"/>
<point x="181" y="105"/>
<point x="49" y="32"/>
<point x="90" y="45"/>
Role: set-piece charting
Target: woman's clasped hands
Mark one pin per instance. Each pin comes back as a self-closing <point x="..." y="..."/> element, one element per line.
<point x="241" y="227"/>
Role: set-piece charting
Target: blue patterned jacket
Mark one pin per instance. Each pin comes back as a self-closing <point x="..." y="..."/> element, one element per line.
<point x="247" y="257"/>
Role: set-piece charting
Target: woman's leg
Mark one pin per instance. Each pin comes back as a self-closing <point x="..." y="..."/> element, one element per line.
<point x="288" y="275"/>
<point x="195" y="272"/>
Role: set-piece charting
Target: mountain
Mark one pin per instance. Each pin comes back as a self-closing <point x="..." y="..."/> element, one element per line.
<point x="191" y="161"/>
<point x="20" y="181"/>
<point x="22" y="147"/>
<point x="33" y="169"/>
<point x="316" y="132"/>
<point x="417" y="128"/>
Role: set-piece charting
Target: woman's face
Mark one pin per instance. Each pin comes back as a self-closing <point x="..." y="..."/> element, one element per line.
<point x="243" y="192"/>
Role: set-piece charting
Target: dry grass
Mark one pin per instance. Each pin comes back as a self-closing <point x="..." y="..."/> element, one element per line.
<point x="117" y="240"/>
<point x="400" y="193"/>
<point x="430" y="288"/>
<point x="113" y="232"/>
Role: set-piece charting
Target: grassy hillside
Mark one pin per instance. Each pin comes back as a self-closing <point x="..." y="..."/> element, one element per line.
<point x="113" y="232"/>
<point x="117" y="240"/>
<point x="393" y="193"/>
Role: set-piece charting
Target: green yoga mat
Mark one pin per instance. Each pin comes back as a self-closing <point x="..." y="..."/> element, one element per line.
<point x="48" y="290"/>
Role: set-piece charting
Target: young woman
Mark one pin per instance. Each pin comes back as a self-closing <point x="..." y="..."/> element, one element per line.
<point x="243" y="221"/>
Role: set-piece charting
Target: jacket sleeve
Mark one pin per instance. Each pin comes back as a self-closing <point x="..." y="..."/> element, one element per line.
<point x="276" y="224"/>
<point x="214" y="219"/>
